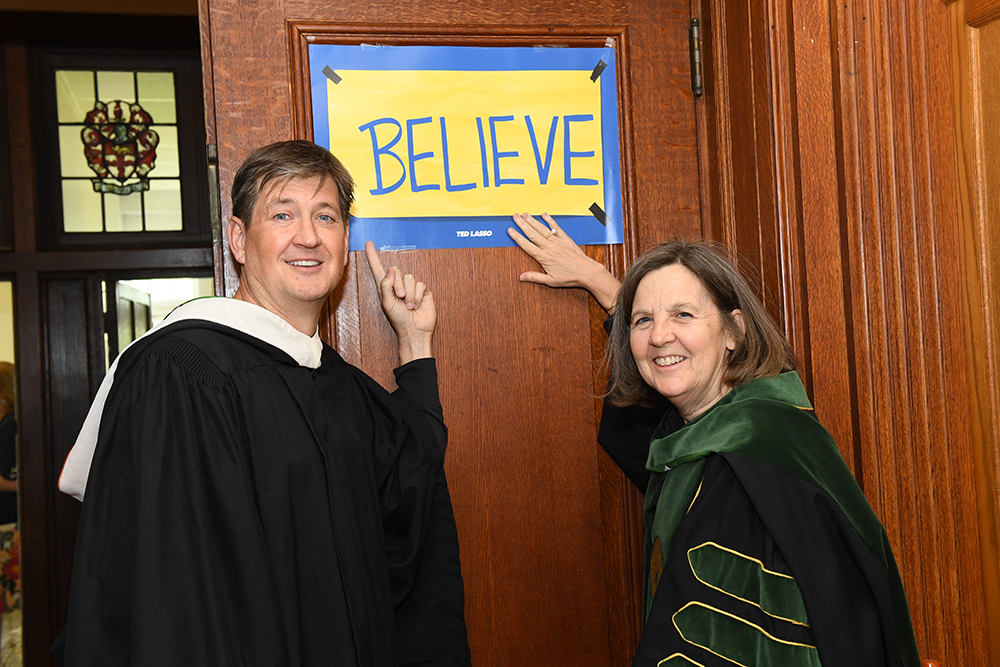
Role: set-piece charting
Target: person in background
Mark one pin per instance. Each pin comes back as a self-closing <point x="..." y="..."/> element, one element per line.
<point x="249" y="498"/>
<point x="760" y="547"/>
<point x="10" y="577"/>
<point x="8" y="446"/>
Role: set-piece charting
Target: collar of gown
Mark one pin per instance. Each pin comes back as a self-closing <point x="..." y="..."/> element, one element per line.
<point x="233" y="313"/>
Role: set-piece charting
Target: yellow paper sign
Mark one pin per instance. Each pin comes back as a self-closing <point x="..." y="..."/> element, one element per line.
<point x="468" y="143"/>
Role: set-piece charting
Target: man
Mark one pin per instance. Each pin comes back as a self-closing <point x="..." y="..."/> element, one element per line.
<point x="252" y="498"/>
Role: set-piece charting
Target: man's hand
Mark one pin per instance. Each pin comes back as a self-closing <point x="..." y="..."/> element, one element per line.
<point x="564" y="264"/>
<point x="408" y="305"/>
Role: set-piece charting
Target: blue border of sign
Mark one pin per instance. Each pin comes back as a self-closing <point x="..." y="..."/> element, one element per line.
<point x="483" y="232"/>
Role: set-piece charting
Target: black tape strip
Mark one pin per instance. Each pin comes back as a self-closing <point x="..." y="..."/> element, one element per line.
<point x="597" y="70"/>
<point x="599" y="213"/>
<point x="331" y="75"/>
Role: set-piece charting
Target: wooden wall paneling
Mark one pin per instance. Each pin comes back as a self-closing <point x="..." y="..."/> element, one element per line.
<point x="536" y="516"/>
<point x="113" y="260"/>
<point x="73" y="341"/>
<point x="952" y="520"/>
<point x="975" y="68"/>
<point x="531" y="451"/>
<point x="932" y="256"/>
<point x="207" y="71"/>
<point x="212" y="152"/>
<point x="862" y="182"/>
<point x="519" y="467"/>
<point x="756" y="228"/>
<point x="224" y="274"/>
<point x="870" y="225"/>
<point x="621" y="502"/>
<point x="714" y="112"/>
<point x="38" y="621"/>
<point x="807" y="25"/>
<point x="978" y="13"/>
<point x="739" y="60"/>
<point x="6" y="221"/>
<point x="759" y="130"/>
<point x="750" y="196"/>
<point x="664" y="171"/>
<point x="789" y="248"/>
<point x="896" y="123"/>
<point x="860" y="185"/>
<point x="22" y="162"/>
<point x="988" y="73"/>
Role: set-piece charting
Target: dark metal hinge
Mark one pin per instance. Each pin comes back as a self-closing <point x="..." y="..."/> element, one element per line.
<point x="695" y="42"/>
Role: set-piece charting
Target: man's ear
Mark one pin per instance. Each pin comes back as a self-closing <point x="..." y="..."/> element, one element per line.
<point x="347" y="242"/>
<point x="236" y="231"/>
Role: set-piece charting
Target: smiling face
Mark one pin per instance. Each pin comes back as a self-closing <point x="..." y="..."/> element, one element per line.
<point x="679" y="339"/>
<point x="294" y="250"/>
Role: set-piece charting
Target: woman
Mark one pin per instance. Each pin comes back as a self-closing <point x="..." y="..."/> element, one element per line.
<point x="759" y="546"/>
<point x="10" y="582"/>
<point x="8" y="447"/>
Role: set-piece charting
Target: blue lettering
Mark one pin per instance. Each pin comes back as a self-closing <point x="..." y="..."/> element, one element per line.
<point x="447" y="169"/>
<point x="543" y="170"/>
<point x="482" y="152"/>
<point x="417" y="156"/>
<point x="569" y="154"/>
<point x="378" y="151"/>
<point x="497" y="154"/>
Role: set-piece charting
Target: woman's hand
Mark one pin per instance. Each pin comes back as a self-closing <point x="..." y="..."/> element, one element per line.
<point x="564" y="264"/>
<point x="408" y="305"/>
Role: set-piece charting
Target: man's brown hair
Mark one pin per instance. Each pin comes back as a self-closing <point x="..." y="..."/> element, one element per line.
<point x="276" y="164"/>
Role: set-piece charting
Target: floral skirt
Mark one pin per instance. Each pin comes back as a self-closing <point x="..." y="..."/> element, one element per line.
<point x="10" y="568"/>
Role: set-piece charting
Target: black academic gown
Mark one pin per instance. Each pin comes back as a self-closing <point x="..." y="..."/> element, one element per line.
<point x="8" y="467"/>
<point x="760" y="548"/>
<point x="244" y="510"/>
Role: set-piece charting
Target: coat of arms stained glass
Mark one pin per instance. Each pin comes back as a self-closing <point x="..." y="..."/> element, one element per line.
<point x="120" y="147"/>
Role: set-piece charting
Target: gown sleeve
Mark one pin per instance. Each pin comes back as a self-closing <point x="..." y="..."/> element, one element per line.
<point x="169" y="536"/>
<point x="421" y="536"/>
<point x="418" y="383"/>
<point x="625" y="433"/>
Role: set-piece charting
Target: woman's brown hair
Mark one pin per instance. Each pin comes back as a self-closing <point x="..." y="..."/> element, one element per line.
<point x="762" y="351"/>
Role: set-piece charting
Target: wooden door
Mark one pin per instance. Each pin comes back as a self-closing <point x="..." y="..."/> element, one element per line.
<point x="549" y="528"/>
<point x="132" y="311"/>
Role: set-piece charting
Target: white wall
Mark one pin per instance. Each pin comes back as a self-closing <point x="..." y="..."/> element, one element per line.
<point x="6" y="322"/>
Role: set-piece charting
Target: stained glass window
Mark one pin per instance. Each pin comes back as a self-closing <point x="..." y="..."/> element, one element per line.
<point x="118" y="151"/>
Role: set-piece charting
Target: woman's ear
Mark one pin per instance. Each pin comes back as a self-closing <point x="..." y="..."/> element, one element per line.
<point x="737" y="316"/>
